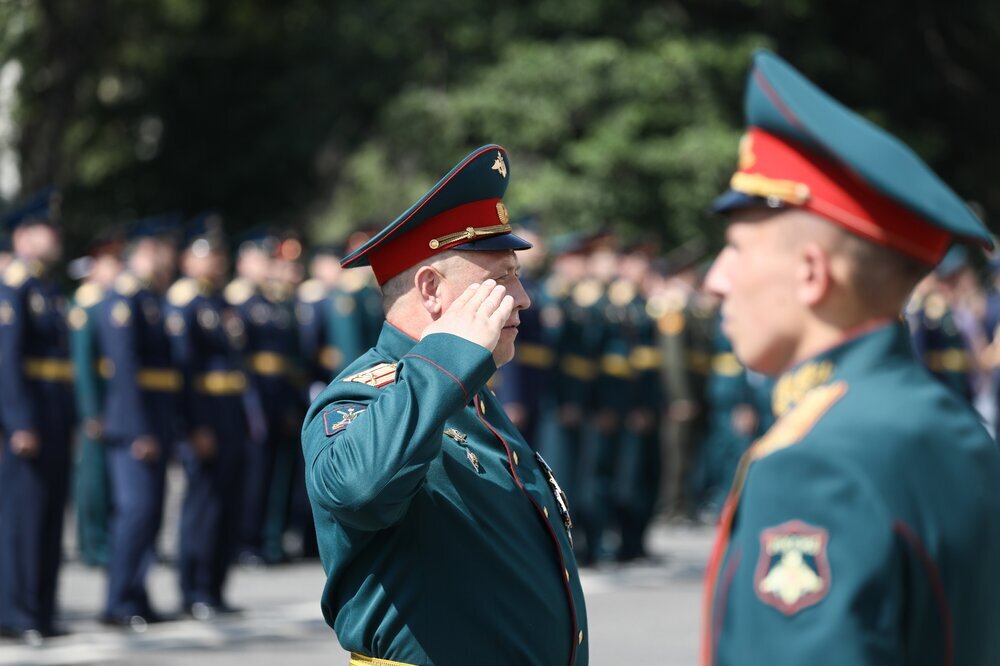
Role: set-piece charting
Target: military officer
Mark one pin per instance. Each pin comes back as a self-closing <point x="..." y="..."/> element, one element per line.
<point x="355" y="315"/>
<point x="272" y="356"/>
<point x="524" y="382"/>
<point x="92" y="494"/>
<point x="427" y="499"/>
<point x="37" y="411"/>
<point x="323" y="361"/>
<point x="143" y="389"/>
<point x="859" y="528"/>
<point x="937" y="339"/>
<point x="207" y="341"/>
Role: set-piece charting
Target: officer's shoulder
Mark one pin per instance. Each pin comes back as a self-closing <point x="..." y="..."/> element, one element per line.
<point x="377" y="376"/>
<point x="88" y="294"/>
<point x="587" y="293"/>
<point x="622" y="292"/>
<point x="238" y="291"/>
<point x="126" y="284"/>
<point x="16" y="274"/>
<point x="311" y="291"/>
<point x="182" y="292"/>
<point x="352" y="281"/>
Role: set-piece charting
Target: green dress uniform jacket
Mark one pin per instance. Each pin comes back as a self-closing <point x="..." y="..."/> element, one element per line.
<point x="443" y="538"/>
<point x="92" y="493"/>
<point x="862" y="528"/>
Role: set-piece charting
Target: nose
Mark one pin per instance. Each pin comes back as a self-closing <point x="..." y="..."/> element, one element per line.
<point x="717" y="278"/>
<point x="521" y="299"/>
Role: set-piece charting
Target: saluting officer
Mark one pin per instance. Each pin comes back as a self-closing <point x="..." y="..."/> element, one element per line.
<point x="37" y="410"/>
<point x="427" y="499"/>
<point x="861" y="528"/>
<point x="92" y="493"/>
<point x="207" y="341"/>
<point x="143" y="389"/>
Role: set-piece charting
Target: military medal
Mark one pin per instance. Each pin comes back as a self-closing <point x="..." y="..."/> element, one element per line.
<point x="557" y="492"/>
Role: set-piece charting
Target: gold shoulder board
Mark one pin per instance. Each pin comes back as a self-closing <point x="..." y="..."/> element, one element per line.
<point x="381" y="375"/>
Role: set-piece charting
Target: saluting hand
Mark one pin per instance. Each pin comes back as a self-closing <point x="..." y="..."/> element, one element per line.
<point x="477" y="315"/>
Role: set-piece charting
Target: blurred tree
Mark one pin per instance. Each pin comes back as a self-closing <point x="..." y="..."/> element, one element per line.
<point x="341" y="113"/>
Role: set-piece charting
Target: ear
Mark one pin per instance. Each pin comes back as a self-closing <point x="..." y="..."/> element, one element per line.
<point x="814" y="274"/>
<point x="429" y="284"/>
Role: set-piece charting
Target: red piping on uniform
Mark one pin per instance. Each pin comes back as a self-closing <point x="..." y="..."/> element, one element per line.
<point x="775" y="99"/>
<point x="902" y="529"/>
<point x="453" y="377"/>
<point x="562" y="562"/>
<point x="426" y="199"/>
<point x="723" y="596"/>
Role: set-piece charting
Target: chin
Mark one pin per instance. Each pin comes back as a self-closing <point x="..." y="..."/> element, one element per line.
<point x="504" y="353"/>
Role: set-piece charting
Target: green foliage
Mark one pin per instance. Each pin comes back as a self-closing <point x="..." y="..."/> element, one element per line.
<point x="327" y="116"/>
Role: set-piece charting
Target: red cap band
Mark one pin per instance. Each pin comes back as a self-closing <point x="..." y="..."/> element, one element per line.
<point x="410" y="248"/>
<point x="772" y="167"/>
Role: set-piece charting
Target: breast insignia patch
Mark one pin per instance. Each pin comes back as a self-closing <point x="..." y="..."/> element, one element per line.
<point x="793" y="571"/>
<point x="340" y="417"/>
<point x="381" y="375"/>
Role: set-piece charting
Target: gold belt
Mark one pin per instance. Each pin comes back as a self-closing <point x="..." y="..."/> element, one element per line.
<point x="159" y="379"/>
<point x="533" y="355"/>
<point x="166" y="380"/>
<point x="268" y="363"/>
<point x="364" y="660"/>
<point x="579" y="367"/>
<point x="48" y="369"/>
<point x="726" y="364"/>
<point x="221" y="382"/>
<point x="330" y="357"/>
<point x="616" y="365"/>
<point x="645" y="357"/>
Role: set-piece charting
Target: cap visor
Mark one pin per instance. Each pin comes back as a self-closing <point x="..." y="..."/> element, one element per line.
<point x="502" y="242"/>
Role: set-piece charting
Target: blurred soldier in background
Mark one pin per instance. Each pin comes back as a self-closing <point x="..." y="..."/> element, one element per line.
<point x="323" y="360"/>
<point x="92" y="493"/>
<point x="937" y="339"/>
<point x="524" y="382"/>
<point x="637" y="461"/>
<point x="37" y="411"/>
<point x="355" y="316"/>
<point x="207" y="339"/>
<point x="267" y="317"/>
<point x="685" y="324"/>
<point x="143" y="388"/>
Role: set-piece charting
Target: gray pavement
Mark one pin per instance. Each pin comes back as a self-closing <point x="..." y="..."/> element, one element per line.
<point x="639" y="614"/>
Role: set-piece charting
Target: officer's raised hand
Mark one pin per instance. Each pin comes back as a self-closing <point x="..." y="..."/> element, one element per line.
<point x="478" y="315"/>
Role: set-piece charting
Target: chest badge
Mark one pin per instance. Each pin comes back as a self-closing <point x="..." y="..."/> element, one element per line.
<point x="793" y="571"/>
<point x="462" y="439"/>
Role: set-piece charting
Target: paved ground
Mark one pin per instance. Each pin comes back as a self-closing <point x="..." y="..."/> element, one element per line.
<point x="639" y="614"/>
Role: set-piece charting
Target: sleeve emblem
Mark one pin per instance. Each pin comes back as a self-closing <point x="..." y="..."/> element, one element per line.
<point x="337" y="419"/>
<point x="793" y="571"/>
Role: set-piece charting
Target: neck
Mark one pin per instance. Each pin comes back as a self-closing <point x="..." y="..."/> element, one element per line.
<point x="409" y="318"/>
<point x="821" y="336"/>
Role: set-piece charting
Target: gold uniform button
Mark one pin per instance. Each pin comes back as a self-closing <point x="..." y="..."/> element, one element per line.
<point x="482" y="407"/>
<point x="545" y="510"/>
<point x="581" y="636"/>
<point x="566" y="573"/>
<point x="515" y="458"/>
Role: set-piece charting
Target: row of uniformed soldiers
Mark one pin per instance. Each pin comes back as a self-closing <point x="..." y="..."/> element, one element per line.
<point x="141" y="369"/>
<point x="624" y="383"/>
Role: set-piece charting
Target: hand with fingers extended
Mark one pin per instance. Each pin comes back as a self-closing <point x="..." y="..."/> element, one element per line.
<point x="477" y="315"/>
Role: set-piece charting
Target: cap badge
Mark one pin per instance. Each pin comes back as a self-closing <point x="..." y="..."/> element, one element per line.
<point x="500" y="166"/>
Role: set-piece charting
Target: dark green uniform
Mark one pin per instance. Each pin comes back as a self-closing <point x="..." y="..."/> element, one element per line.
<point x="939" y="344"/>
<point x="426" y="516"/>
<point x="850" y="540"/>
<point x="91" y="490"/>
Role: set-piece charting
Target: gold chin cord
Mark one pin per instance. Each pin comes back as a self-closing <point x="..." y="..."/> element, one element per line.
<point x="469" y="234"/>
